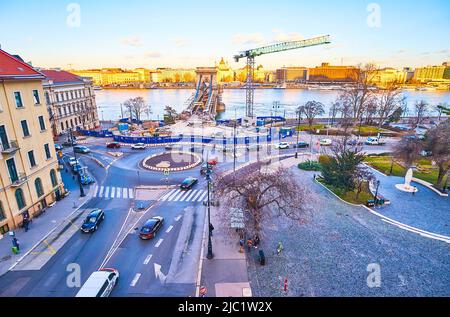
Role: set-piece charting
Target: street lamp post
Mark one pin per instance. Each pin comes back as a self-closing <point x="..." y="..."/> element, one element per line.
<point x="210" y="254"/>
<point x="376" y="193"/>
<point x="234" y="141"/>
<point x="82" y="194"/>
<point x="298" y="132"/>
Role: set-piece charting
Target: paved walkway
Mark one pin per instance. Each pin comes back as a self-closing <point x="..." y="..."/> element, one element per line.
<point x="42" y="225"/>
<point x="425" y="209"/>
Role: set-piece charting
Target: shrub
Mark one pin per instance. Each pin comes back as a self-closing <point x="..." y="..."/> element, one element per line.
<point x="310" y="166"/>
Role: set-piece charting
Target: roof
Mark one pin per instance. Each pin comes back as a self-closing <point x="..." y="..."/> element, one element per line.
<point x="61" y="76"/>
<point x="13" y="68"/>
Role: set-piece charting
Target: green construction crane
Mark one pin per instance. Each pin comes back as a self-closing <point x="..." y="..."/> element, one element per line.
<point x="280" y="47"/>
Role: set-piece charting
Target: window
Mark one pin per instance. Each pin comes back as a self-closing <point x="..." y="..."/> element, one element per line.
<point x="36" y="99"/>
<point x="20" y="199"/>
<point x="60" y="112"/>
<point x="62" y="126"/>
<point x="2" y="212"/>
<point x="57" y="97"/>
<point x="31" y="158"/>
<point x="25" y="130"/>
<point x="71" y="94"/>
<point x="48" y="155"/>
<point x="47" y="98"/>
<point x="18" y="99"/>
<point x="39" y="188"/>
<point x="53" y="178"/>
<point x="12" y="170"/>
<point x="41" y="123"/>
<point x="71" y="123"/>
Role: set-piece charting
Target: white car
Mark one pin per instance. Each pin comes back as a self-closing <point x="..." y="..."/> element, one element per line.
<point x="325" y="142"/>
<point x="100" y="283"/>
<point x="73" y="161"/>
<point x="138" y="146"/>
<point x="374" y="141"/>
<point x="282" y="145"/>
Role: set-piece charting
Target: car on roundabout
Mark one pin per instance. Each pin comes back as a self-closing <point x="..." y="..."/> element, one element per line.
<point x="188" y="183"/>
<point x="325" y="142"/>
<point x="113" y="145"/>
<point x="301" y="145"/>
<point x="138" y="146"/>
<point x="282" y="146"/>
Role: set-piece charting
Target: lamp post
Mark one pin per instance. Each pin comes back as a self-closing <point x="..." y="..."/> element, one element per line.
<point x="298" y="132"/>
<point x="234" y="141"/>
<point x="82" y="194"/>
<point x="210" y="254"/>
<point x="376" y="193"/>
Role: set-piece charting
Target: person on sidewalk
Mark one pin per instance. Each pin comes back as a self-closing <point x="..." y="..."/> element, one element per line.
<point x="279" y="248"/>
<point x="26" y="223"/>
<point x="211" y="228"/>
<point x="15" y="244"/>
<point x="256" y="241"/>
<point x="249" y="245"/>
<point x="241" y="244"/>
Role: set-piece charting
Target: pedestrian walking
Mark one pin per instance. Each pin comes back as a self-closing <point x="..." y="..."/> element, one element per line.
<point x="241" y="244"/>
<point x="256" y="241"/>
<point x="279" y="248"/>
<point x="26" y="224"/>
<point x="15" y="243"/>
<point x="249" y="245"/>
<point x="211" y="228"/>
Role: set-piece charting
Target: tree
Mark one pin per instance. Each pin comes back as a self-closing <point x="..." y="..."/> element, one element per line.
<point x="334" y="110"/>
<point x="262" y="196"/>
<point x="362" y="177"/>
<point x="420" y="111"/>
<point x="136" y="107"/>
<point x="312" y="109"/>
<point x="360" y="94"/>
<point x="437" y="142"/>
<point x="388" y="101"/>
<point x="396" y="115"/>
<point x="408" y="149"/>
<point x="442" y="108"/>
<point x="343" y="167"/>
<point x="170" y="115"/>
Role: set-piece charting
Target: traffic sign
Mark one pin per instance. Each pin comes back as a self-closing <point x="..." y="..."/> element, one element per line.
<point x="166" y="172"/>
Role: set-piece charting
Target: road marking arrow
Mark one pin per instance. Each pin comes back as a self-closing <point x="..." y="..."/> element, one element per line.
<point x="158" y="274"/>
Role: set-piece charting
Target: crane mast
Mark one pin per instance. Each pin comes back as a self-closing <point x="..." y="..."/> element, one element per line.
<point x="280" y="47"/>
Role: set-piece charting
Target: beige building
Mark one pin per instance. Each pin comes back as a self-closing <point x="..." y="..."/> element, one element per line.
<point x="384" y="77"/>
<point x="292" y="74"/>
<point x="29" y="176"/>
<point x="429" y="73"/>
<point x="70" y="100"/>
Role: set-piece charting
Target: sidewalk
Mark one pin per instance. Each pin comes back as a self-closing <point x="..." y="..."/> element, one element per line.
<point x="42" y="225"/>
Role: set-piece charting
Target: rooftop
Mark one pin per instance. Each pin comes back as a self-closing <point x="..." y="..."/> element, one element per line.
<point x="61" y="76"/>
<point x="12" y="67"/>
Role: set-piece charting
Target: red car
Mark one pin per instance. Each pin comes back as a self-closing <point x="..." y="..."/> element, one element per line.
<point x="113" y="145"/>
<point x="213" y="161"/>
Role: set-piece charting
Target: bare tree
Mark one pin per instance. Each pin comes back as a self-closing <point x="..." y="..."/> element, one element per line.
<point x="335" y="108"/>
<point x="362" y="176"/>
<point x="437" y="142"/>
<point x="389" y="100"/>
<point x="311" y="110"/>
<point x="420" y="111"/>
<point x="408" y="149"/>
<point x="262" y="195"/>
<point x="442" y="108"/>
<point x="360" y="94"/>
<point x="136" y="107"/>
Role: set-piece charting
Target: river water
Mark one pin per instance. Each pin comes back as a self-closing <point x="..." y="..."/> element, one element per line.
<point x="109" y="100"/>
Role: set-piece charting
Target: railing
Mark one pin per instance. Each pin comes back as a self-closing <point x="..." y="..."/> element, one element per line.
<point x="10" y="147"/>
<point x="21" y="178"/>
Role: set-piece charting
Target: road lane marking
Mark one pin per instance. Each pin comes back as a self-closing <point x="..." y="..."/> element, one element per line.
<point x="119" y="191"/>
<point x="135" y="280"/>
<point x="198" y="194"/>
<point x="167" y="195"/>
<point x="95" y="190"/>
<point x="178" y="218"/>
<point x="180" y="195"/>
<point x="148" y="258"/>
<point x="171" y="197"/>
<point x="203" y="196"/>
<point x="169" y="229"/>
<point x="113" y="192"/>
<point x="125" y="193"/>
<point x="191" y="195"/>
<point x="100" y="194"/>
<point x="107" y="192"/>
<point x="159" y="243"/>
<point x="130" y="193"/>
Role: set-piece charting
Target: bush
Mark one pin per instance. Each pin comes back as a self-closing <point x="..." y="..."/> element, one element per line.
<point x="324" y="159"/>
<point x="310" y="166"/>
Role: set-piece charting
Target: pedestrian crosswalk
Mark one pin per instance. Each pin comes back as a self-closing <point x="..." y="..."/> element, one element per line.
<point x="113" y="192"/>
<point x="178" y="195"/>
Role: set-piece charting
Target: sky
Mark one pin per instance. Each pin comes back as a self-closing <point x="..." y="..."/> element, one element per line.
<point x="190" y="33"/>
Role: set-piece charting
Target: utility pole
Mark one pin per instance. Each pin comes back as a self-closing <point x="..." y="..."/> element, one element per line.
<point x="210" y="254"/>
<point x="234" y="141"/>
<point x="298" y="132"/>
<point x="82" y="194"/>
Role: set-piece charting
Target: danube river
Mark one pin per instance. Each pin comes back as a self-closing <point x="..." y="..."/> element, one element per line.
<point x="109" y="100"/>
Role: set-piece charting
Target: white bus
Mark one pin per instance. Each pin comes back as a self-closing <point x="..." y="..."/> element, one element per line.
<point x="99" y="284"/>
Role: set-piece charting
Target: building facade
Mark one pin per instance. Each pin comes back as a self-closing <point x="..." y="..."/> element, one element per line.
<point x="70" y="100"/>
<point x="29" y="176"/>
<point x="385" y="77"/>
<point x="292" y="74"/>
<point x="429" y="73"/>
<point x="329" y="73"/>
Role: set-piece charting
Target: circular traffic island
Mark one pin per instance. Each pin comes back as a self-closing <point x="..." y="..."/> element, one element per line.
<point x="173" y="161"/>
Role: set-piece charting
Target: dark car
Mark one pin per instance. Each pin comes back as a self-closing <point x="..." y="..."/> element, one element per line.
<point x="92" y="221"/>
<point x="69" y="143"/>
<point x="81" y="149"/>
<point x="301" y="145"/>
<point x="113" y="145"/>
<point x="58" y="147"/>
<point x="188" y="183"/>
<point x="150" y="227"/>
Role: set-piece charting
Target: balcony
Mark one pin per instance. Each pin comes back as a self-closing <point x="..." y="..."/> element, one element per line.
<point x="9" y="148"/>
<point x="21" y="179"/>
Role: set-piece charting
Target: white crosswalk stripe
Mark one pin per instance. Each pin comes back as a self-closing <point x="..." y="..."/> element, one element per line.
<point x="167" y="195"/>
<point x="190" y="195"/>
<point x="96" y="190"/>
<point x="119" y="191"/>
<point x="107" y="192"/>
<point x="177" y="195"/>
<point x="172" y="196"/>
<point x="203" y="196"/>
<point x="100" y="194"/>
<point x="125" y="193"/>
<point x="130" y="193"/>
<point x="113" y="192"/>
<point x="198" y="194"/>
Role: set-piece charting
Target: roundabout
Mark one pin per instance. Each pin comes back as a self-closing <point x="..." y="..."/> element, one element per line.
<point x="172" y="161"/>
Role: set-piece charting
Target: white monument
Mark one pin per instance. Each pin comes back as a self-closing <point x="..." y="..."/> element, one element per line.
<point x="406" y="187"/>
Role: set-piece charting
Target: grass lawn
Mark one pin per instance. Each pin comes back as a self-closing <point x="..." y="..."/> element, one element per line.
<point x="350" y="197"/>
<point x="367" y="130"/>
<point x="425" y="171"/>
<point x="305" y="127"/>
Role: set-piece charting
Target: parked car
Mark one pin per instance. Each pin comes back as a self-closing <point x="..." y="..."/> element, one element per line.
<point x="72" y="161"/>
<point x="68" y="143"/>
<point x="81" y="149"/>
<point x="188" y="183"/>
<point x="100" y="283"/>
<point x="253" y="147"/>
<point x="113" y="145"/>
<point x="326" y="142"/>
<point x="58" y="147"/>
<point x="282" y="146"/>
<point x="301" y="145"/>
<point x="374" y="141"/>
<point x="151" y="227"/>
<point x="92" y="221"/>
<point x="138" y="146"/>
